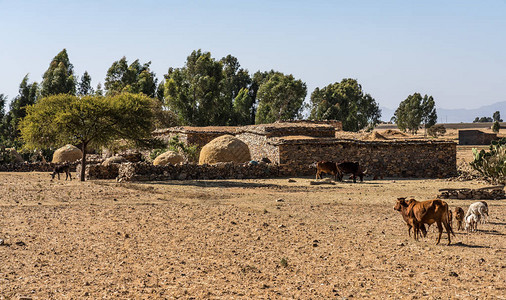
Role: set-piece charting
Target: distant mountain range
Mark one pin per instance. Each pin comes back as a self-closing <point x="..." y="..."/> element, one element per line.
<point x="457" y="115"/>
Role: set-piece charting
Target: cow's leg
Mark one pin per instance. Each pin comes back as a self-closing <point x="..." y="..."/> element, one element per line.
<point x="318" y="175"/>
<point x="440" y="228"/>
<point x="448" y="230"/>
<point x="424" y="231"/>
<point x="354" y="178"/>
<point x="70" y="175"/>
<point x="409" y="230"/>
<point x="58" y="176"/>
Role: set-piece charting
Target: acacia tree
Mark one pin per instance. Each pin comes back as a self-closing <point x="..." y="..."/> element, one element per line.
<point x="346" y="102"/>
<point x="89" y="121"/>
<point x="280" y="97"/>
<point x="414" y="111"/>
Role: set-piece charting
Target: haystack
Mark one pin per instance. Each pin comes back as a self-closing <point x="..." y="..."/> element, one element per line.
<point x="394" y="133"/>
<point x="225" y="148"/>
<point x="16" y="157"/>
<point x="375" y="136"/>
<point x="169" y="157"/>
<point x="114" y="160"/>
<point x="67" y="153"/>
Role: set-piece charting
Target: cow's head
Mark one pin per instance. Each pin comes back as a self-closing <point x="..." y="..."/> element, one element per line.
<point x="400" y="202"/>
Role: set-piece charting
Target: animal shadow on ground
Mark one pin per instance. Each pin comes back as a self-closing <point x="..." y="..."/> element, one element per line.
<point x="493" y="232"/>
<point x="497" y="223"/>
<point x="460" y="244"/>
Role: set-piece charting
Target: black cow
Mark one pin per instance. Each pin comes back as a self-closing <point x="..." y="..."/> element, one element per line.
<point x="353" y="168"/>
<point x="61" y="169"/>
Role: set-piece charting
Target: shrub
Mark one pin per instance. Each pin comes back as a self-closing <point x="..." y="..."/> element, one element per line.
<point x="6" y="156"/>
<point x="436" y="130"/>
<point x="496" y="127"/>
<point x="492" y="164"/>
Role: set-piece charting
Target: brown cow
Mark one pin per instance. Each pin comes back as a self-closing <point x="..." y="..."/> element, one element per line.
<point x="328" y="167"/>
<point x="459" y="216"/>
<point x="402" y="207"/>
<point x="429" y="212"/>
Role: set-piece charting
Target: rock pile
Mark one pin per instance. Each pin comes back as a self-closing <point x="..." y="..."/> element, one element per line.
<point x="493" y="192"/>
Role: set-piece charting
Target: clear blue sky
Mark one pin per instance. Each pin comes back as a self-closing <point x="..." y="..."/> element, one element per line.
<point x="453" y="50"/>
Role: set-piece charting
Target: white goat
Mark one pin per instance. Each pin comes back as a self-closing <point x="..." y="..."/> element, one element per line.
<point x="480" y="209"/>
<point x="472" y="222"/>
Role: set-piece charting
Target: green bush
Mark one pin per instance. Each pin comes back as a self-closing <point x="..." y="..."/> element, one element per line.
<point x="6" y="156"/>
<point x="492" y="164"/>
<point x="190" y="152"/>
<point x="436" y="130"/>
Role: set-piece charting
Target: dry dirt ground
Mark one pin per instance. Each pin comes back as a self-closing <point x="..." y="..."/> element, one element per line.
<point x="229" y="239"/>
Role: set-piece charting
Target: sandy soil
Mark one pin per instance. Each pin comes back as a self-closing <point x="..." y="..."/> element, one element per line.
<point x="219" y="239"/>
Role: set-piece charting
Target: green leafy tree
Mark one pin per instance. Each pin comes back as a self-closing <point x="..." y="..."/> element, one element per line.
<point x="496" y="127"/>
<point x="99" y="91"/>
<point x="345" y="101"/>
<point x="133" y="78"/>
<point x="235" y="88"/>
<point x="59" y="77"/>
<point x="497" y="117"/>
<point x="27" y="95"/>
<point x="414" y="111"/>
<point x="483" y="120"/>
<point x="85" y="87"/>
<point x="88" y="121"/>
<point x="280" y="97"/>
<point x="193" y="91"/>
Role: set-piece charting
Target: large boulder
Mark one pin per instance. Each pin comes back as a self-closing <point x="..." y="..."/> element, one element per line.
<point x="114" y="160"/>
<point x="67" y="153"/>
<point x="16" y="157"/>
<point x="225" y="148"/>
<point x="169" y="157"/>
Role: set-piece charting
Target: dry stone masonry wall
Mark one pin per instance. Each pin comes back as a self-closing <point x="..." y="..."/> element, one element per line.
<point x="421" y="159"/>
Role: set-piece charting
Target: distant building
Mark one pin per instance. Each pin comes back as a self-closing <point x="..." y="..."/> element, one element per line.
<point x="476" y="137"/>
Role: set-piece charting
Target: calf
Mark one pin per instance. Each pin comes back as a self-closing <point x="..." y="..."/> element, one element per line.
<point x="328" y="167"/>
<point x="402" y="207"/>
<point x="61" y="169"/>
<point x="472" y="222"/>
<point x="429" y="212"/>
<point x="478" y="208"/>
<point x="353" y="168"/>
<point x="459" y="217"/>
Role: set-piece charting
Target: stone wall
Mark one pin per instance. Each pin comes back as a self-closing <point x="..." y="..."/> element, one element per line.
<point x="476" y="137"/>
<point x="422" y="159"/>
<point x="31" y="167"/>
<point x="148" y="172"/>
<point x="199" y="136"/>
<point x="259" y="146"/>
<point x="98" y="171"/>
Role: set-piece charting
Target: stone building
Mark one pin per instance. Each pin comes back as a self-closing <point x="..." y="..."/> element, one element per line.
<point x="476" y="137"/>
<point x="296" y="146"/>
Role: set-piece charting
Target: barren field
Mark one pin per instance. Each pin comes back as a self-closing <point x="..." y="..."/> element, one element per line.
<point x="266" y="239"/>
